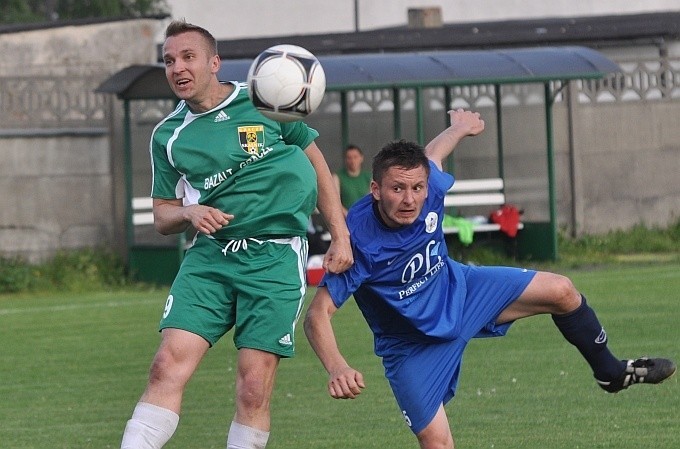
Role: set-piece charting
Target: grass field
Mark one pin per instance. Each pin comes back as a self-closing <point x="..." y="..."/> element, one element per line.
<point x="73" y="366"/>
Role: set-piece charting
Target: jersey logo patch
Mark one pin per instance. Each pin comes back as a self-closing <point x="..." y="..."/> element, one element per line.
<point x="431" y="222"/>
<point x="251" y="138"/>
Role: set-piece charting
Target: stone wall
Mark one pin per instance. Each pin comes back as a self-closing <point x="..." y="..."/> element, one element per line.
<point x="60" y="142"/>
<point x="617" y="150"/>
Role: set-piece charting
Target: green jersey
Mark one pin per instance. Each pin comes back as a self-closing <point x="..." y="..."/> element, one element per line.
<point x="236" y="160"/>
<point x="353" y="188"/>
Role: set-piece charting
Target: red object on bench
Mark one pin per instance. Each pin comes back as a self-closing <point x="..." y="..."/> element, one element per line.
<point x="315" y="269"/>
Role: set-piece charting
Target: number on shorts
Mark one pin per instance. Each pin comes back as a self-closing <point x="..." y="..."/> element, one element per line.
<point x="406" y="418"/>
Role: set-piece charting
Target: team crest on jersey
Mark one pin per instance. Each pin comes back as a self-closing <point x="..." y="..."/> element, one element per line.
<point x="251" y="138"/>
<point x="431" y="222"/>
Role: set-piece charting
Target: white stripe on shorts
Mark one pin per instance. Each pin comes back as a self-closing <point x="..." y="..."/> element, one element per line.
<point x="301" y="248"/>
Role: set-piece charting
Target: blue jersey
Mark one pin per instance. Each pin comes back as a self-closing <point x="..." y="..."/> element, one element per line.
<point x="402" y="278"/>
<point x="422" y="306"/>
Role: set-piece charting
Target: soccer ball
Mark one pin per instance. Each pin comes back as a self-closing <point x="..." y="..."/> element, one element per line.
<point x="286" y="83"/>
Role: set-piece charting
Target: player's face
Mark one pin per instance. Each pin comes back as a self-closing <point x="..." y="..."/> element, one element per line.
<point x="353" y="160"/>
<point x="189" y="66"/>
<point x="400" y="195"/>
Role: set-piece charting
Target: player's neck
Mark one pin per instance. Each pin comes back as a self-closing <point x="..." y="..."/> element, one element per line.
<point x="218" y="93"/>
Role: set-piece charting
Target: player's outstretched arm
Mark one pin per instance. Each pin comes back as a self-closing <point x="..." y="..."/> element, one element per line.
<point x="463" y="124"/>
<point x="344" y="381"/>
<point x="339" y="257"/>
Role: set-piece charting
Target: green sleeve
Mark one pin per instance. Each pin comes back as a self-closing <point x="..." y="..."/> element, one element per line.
<point x="165" y="179"/>
<point x="298" y="133"/>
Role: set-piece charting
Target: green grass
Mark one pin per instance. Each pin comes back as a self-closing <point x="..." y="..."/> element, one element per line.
<point x="73" y="365"/>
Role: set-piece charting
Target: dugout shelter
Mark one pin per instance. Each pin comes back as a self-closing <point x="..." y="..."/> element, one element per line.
<point x="415" y="72"/>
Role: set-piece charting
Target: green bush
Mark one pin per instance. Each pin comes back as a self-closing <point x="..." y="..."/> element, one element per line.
<point x="100" y="268"/>
<point x="85" y="269"/>
<point x="15" y="275"/>
<point x="638" y="244"/>
<point x="79" y="270"/>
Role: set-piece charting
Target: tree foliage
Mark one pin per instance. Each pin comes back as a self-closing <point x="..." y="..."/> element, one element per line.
<point x="26" y="11"/>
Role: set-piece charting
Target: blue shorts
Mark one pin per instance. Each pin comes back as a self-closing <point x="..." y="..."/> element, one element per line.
<point x="425" y="375"/>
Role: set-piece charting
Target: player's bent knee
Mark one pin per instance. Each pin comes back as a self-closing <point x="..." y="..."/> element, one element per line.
<point x="160" y="365"/>
<point x="435" y="441"/>
<point x="566" y="296"/>
<point x="166" y="369"/>
<point x="252" y="399"/>
<point x="437" y="434"/>
<point x="253" y="391"/>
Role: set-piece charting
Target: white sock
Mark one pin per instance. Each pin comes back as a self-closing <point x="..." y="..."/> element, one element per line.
<point x="149" y="428"/>
<point x="244" y="437"/>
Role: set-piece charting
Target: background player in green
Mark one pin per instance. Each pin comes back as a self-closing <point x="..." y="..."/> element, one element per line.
<point x="352" y="181"/>
<point x="246" y="185"/>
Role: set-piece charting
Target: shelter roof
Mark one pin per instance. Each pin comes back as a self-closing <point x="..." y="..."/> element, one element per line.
<point x="383" y="70"/>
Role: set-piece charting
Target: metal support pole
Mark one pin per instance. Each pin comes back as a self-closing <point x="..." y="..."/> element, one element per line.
<point x="420" y="131"/>
<point x="127" y="165"/>
<point x="448" y="99"/>
<point x="344" y="119"/>
<point x="552" y="197"/>
<point x="499" y="132"/>
<point x="396" y="113"/>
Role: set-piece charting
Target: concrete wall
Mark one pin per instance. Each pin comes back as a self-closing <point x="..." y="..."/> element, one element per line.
<point x="102" y="49"/>
<point x="627" y="166"/>
<point x="61" y="144"/>
<point x="57" y="195"/>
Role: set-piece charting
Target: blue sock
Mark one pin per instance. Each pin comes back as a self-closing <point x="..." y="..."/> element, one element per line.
<point x="582" y="329"/>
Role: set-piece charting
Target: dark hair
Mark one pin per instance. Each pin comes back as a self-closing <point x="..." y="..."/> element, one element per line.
<point x="399" y="153"/>
<point x="181" y="26"/>
<point x="351" y="146"/>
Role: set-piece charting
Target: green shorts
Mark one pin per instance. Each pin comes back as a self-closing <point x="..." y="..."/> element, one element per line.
<point x="255" y="286"/>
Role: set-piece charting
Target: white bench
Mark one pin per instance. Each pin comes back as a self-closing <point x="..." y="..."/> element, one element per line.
<point x="142" y="214"/>
<point x="142" y="211"/>
<point x="152" y="257"/>
<point x="464" y="193"/>
<point x="476" y="192"/>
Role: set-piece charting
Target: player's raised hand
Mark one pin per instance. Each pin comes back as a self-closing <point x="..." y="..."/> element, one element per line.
<point x="466" y="123"/>
<point x="345" y="383"/>
<point x="463" y="124"/>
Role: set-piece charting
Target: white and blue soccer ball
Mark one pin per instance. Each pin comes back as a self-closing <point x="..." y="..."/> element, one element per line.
<point x="286" y="83"/>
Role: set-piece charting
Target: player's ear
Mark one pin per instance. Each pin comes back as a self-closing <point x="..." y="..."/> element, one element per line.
<point x="375" y="190"/>
<point x="215" y="63"/>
